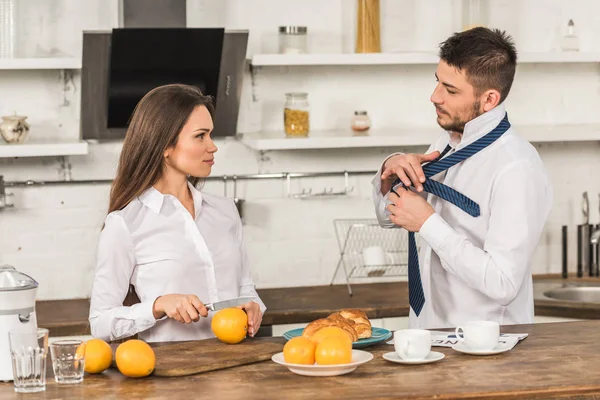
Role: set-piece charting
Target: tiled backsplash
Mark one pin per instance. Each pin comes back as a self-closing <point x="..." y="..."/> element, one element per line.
<point x="52" y="231"/>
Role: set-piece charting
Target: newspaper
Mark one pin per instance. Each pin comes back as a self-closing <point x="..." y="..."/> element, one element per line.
<point x="448" y="339"/>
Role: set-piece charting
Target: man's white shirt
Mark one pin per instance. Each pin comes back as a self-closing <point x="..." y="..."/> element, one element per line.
<point x="479" y="268"/>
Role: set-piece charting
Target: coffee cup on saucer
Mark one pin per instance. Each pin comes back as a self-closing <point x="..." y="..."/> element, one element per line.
<point x="412" y="344"/>
<point x="479" y="335"/>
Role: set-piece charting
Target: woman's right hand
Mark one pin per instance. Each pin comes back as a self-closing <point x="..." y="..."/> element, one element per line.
<point x="185" y="308"/>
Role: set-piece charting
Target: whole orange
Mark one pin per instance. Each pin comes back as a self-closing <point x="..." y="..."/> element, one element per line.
<point x="230" y="325"/>
<point x="135" y="358"/>
<point x="98" y="356"/>
<point x="299" y="350"/>
<point x="334" y="350"/>
<point x="329" y="331"/>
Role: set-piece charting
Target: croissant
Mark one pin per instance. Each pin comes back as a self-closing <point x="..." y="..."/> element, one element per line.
<point x="361" y="325"/>
<point x="340" y="318"/>
<point x="337" y="321"/>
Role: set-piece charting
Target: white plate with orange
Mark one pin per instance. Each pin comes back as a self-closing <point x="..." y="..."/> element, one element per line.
<point x="359" y="357"/>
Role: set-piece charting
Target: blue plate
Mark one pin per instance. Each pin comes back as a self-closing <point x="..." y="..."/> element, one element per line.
<point x="378" y="335"/>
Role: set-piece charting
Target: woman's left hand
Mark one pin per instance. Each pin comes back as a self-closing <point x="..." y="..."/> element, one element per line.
<point x="254" y="317"/>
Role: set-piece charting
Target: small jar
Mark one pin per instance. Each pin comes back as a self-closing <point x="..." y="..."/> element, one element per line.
<point x="292" y="39"/>
<point x="296" y="114"/>
<point x="570" y="42"/>
<point x="361" y="123"/>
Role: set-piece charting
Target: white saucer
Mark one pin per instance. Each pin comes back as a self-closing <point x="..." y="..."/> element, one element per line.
<point x="359" y="357"/>
<point x="500" y="348"/>
<point x="433" y="356"/>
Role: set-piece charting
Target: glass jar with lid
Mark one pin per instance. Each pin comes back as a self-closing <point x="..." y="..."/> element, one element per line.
<point x="296" y="114"/>
<point x="474" y="13"/>
<point x="292" y="39"/>
<point x="361" y="122"/>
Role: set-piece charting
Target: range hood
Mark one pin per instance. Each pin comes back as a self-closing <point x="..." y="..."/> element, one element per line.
<point x="152" y="48"/>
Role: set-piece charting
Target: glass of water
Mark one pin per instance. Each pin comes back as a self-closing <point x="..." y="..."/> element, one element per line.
<point x="28" y="352"/>
<point x="68" y="360"/>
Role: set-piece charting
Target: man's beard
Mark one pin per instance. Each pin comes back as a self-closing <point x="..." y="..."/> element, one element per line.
<point x="458" y="124"/>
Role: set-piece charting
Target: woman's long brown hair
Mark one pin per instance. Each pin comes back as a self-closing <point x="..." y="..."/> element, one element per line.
<point x="155" y="125"/>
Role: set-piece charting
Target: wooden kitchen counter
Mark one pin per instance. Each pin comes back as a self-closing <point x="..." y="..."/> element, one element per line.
<point x="557" y="360"/>
<point x="305" y="304"/>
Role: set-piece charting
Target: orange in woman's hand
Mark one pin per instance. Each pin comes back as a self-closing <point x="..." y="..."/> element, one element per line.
<point x="334" y="350"/>
<point x="299" y="350"/>
<point x="230" y="325"/>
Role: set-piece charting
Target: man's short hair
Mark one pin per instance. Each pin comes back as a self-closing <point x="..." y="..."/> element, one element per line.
<point x="488" y="57"/>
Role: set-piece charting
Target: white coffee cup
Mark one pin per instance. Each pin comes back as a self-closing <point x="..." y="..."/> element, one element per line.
<point x="412" y="344"/>
<point x="479" y="335"/>
<point x="374" y="256"/>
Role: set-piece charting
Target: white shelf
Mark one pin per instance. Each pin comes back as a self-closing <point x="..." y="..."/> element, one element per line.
<point x="40" y="63"/>
<point x="267" y="60"/>
<point x="404" y="137"/>
<point x="43" y="149"/>
<point x="560" y="133"/>
<point x="558" y="57"/>
<point x="340" y="139"/>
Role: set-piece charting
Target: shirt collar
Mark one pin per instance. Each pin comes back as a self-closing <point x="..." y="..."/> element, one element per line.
<point x="482" y="125"/>
<point x="153" y="199"/>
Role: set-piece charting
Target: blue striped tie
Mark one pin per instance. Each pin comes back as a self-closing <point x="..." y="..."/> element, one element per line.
<point x="415" y="287"/>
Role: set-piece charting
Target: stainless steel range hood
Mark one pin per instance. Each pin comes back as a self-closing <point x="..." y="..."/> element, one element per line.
<point x="152" y="13"/>
<point x="167" y="19"/>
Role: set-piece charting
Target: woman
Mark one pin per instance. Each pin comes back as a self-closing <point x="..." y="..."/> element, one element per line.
<point x="178" y="247"/>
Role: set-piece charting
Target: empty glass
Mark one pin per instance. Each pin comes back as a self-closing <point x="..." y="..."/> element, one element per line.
<point x="68" y="360"/>
<point x="28" y="351"/>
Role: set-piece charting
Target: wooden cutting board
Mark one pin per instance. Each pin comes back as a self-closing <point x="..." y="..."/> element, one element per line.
<point x="189" y="358"/>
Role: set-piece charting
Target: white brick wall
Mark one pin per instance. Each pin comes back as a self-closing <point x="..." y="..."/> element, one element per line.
<point x="52" y="231"/>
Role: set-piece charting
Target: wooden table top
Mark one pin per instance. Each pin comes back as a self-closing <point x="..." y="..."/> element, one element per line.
<point x="557" y="360"/>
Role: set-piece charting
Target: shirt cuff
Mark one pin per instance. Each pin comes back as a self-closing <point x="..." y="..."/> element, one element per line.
<point x="255" y="297"/>
<point x="262" y="306"/>
<point x="260" y="303"/>
<point x="435" y="231"/>
<point x="146" y="313"/>
<point x="376" y="181"/>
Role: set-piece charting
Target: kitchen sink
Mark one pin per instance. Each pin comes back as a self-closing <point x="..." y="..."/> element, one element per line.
<point x="581" y="294"/>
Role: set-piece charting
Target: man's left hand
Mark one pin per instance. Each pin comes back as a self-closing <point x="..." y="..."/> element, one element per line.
<point x="254" y="317"/>
<point x="409" y="210"/>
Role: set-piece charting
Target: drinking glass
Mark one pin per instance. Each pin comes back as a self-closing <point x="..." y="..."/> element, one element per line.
<point x="28" y="352"/>
<point x="68" y="360"/>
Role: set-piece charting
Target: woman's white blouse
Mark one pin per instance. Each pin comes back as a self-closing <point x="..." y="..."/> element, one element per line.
<point x="155" y="245"/>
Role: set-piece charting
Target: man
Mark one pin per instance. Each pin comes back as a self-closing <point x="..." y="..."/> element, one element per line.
<point x="475" y="258"/>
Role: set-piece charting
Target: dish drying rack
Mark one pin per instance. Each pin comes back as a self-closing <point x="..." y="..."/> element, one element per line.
<point x="354" y="235"/>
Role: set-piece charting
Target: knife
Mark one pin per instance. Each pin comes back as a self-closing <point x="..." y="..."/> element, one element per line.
<point x="219" y="305"/>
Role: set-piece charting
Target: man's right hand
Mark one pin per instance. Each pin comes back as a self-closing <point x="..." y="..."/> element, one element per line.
<point x="185" y="308"/>
<point x="408" y="168"/>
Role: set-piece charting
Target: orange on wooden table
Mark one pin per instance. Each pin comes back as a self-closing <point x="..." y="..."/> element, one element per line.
<point x="98" y="356"/>
<point x="135" y="358"/>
